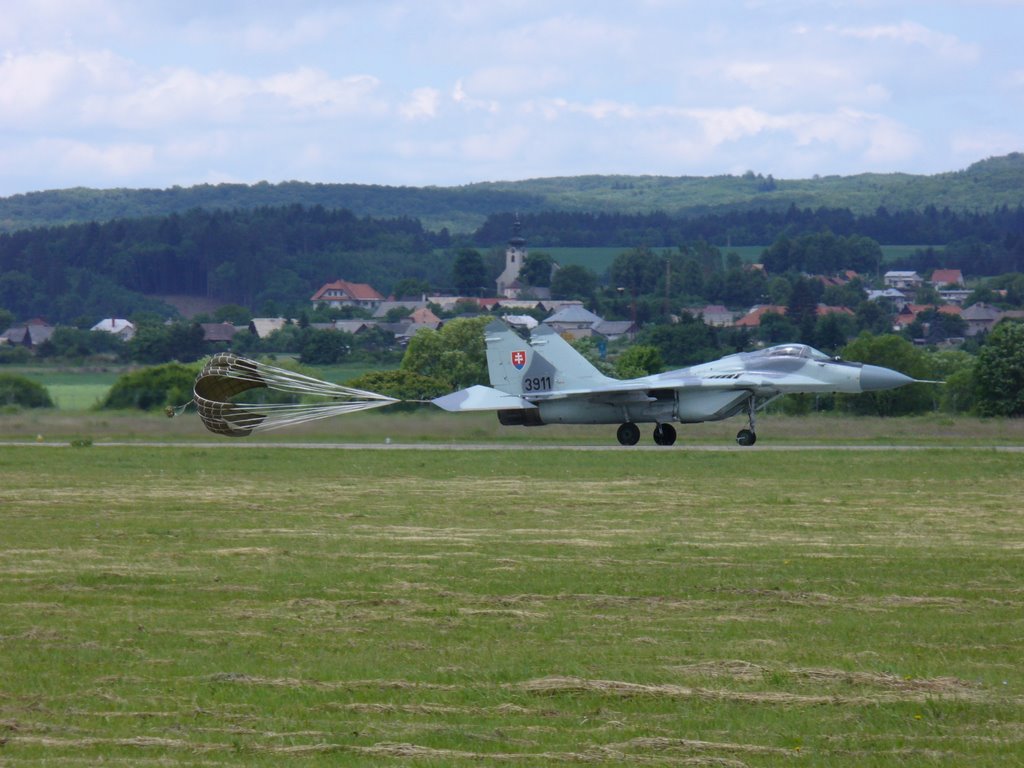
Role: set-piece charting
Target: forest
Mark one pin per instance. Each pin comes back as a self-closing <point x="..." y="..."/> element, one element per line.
<point x="987" y="185"/>
<point x="274" y="258"/>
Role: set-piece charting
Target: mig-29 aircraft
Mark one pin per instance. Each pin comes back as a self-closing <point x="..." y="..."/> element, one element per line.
<point x="546" y="381"/>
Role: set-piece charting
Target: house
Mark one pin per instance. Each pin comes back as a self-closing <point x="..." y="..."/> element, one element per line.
<point x="261" y="327"/>
<point x="897" y="297"/>
<point x="382" y="309"/>
<point x="350" y="326"/>
<point x="715" y="315"/>
<point x="753" y="318"/>
<point x="614" y="329"/>
<point x="574" y="322"/>
<point x="219" y="334"/>
<point x="31" y="334"/>
<point x="423" y="316"/>
<point x="908" y="314"/>
<point x="123" y="329"/>
<point x="902" y="280"/>
<point x="981" y="318"/>
<point x="342" y="293"/>
<point x="941" y="277"/>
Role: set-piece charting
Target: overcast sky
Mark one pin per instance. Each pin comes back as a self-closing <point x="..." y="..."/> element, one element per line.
<point x="102" y="93"/>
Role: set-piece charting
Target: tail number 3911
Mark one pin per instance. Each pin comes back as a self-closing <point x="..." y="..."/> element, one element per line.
<point x="536" y="383"/>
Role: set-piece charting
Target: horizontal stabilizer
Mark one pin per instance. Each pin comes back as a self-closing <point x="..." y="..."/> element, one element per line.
<point x="481" y="398"/>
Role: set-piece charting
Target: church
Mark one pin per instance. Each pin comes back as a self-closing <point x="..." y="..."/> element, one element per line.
<point x="515" y="254"/>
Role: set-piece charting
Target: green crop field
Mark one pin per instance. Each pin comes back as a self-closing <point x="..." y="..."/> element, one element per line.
<point x="599" y="259"/>
<point x="181" y="605"/>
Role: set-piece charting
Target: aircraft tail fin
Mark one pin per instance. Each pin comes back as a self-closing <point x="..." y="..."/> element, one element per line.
<point x="546" y="364"/>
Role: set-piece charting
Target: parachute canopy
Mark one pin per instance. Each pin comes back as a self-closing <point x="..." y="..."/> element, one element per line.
<point x="227" y="381"/>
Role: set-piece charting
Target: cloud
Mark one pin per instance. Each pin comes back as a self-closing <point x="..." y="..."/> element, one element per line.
<point x="791" y="80"/>
<point x="422" y="105"/>
<point x="314" y="90"/>
<point x="43" y="84"/>
<point x="54" y="158"/>
<point x="911" y="33"/>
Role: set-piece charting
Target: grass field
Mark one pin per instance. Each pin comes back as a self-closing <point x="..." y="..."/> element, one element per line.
<point x="228" y="606"/>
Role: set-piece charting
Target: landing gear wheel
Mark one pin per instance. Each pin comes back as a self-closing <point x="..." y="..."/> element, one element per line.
<point x="628" y="434"/>
<point x="746" y="437"/>
<point x="664" y="434"/>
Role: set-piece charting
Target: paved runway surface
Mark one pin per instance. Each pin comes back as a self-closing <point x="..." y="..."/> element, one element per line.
<point x="725" y="447"/>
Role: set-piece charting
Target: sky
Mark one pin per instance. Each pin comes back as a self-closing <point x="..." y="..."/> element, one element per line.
<point x="105" y="93"/>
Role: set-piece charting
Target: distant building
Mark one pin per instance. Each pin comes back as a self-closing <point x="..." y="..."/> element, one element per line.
<point x="902" y="280"/>
<point x="261" y="327"/>
<point x="342" y="293"/>
<point x="574" y="321"/>
<point x="981" y="318"/>
<point x="123" y="329"/>
<point x="31" y="334"/>
<point x="515" y="254"/>
<point x="715" y="315"/>
<point x="941" y="277"/>
<point x="753" y="318"/>
<point x="218" y="334"/>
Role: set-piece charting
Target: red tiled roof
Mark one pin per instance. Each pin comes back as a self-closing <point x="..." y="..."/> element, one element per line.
<point x="753" y="318"/>
<point x="947" y="277"/>
<point x="355" y="291"/>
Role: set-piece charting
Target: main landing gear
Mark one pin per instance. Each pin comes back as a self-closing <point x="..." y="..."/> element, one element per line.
<point x="629" y="434"/>
<point x="748" y="436"/>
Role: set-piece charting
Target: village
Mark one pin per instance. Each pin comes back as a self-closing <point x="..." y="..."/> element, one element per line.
<point x="359" y="308"/>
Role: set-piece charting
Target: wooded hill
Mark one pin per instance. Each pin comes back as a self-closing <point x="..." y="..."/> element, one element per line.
<point x="984" y="186"/>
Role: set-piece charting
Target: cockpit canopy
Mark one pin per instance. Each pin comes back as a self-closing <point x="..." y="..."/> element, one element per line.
<point x="795" y="350"/>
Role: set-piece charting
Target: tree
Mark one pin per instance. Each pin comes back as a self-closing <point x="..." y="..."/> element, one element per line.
<point x="232" y="313"/>
<point x="325" y="347"/>
<point x="151" y="388"/>
<point x="469" y="275"/>
<point x="154" y="343"/>
<point x="687" y="342"/>
<point x="536" y="270"/>
<point x="999" y="372"/>
<point x="895" y="352"/>
<point x="636" y="271"/>
<point x="776" y="329"/>
<point x="573" y="282"/>
<point x="638" y="360"/>
<point x="403" y="385"/>
<point x="412" y="287"/>
<point x="955" y="368"/>
<point x="456" y="354"/>
<point x="23" y="392"/>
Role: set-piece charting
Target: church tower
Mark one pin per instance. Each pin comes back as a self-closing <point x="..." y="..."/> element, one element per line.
<point x="515" y="255"/>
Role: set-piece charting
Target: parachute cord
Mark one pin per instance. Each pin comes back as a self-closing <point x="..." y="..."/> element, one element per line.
<point x="176" y="410"/>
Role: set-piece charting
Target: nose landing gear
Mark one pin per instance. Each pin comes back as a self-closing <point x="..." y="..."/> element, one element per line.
<point x="748" y="436"/>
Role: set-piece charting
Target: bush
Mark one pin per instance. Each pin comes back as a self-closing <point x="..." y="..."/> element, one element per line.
<point x="401" y="384"/>
<point x="19" y="391"/>
<point x="152" y="388"/>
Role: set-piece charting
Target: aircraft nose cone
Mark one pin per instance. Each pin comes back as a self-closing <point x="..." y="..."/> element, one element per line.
<point x="875" y="377"/>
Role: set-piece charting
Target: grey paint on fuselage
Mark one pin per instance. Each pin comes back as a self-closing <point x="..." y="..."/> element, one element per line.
<point x="544" y="380"/>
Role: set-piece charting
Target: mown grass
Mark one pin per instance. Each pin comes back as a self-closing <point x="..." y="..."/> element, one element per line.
<point x="183" y="605"/>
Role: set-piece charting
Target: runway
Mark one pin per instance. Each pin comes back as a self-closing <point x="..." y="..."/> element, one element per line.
<point x="395" y="446"/>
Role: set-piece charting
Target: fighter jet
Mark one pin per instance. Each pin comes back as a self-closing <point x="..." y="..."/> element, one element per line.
<point x="545" y="381"/>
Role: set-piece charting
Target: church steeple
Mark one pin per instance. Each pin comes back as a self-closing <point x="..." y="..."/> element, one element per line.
<point x="515" y="255"/>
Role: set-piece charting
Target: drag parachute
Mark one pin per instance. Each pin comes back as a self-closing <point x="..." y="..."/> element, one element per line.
<point x="227" y="381"/>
